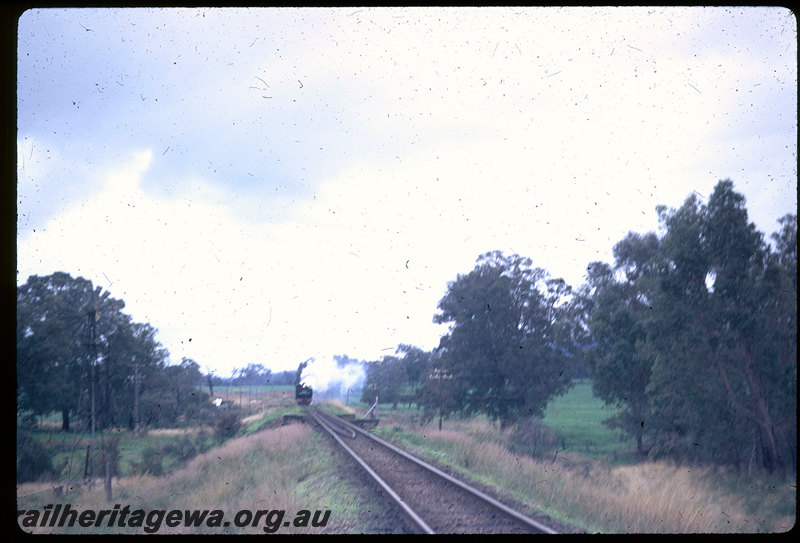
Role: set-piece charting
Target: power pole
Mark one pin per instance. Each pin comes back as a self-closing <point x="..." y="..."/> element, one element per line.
<point x="92" y="316"/>
<point x="439" y="375"/>
<point x="440" y="403"/>
<point x="136" y="421"/>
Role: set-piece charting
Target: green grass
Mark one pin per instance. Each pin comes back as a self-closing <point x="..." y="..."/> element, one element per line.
<point x="578" y="417"/>
<point x="270" y="417"/>
<point x="221" y="390"/>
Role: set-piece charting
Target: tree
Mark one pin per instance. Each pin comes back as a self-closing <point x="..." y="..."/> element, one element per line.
<point x="581" y="308"/>
<point x="52" y="342"/>
<point x="184" y="381"/>
<point x="253" y="375"/>
<point x="145" y="359"/>
<point x="394" y="379"/>
<point x="781" y="324"/>
<point x="415" y="363"/>
<point x="620" y="356"/>
<point x="385" y="380"/>
<point x="694" y="335"/>
<point x="724" y="375"/>
<point x="503" y="344"/>
<point x="74" y="344"/>
<point x="437" y="392"/>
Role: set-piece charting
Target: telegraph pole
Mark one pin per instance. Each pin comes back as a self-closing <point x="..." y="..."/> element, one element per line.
<point x="136" y="422"/>
<point x="440" y="376"/>
<point x="92" y="317"/>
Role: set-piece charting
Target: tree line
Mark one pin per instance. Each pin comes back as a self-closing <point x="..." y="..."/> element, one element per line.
<point x="694" y="334"/>
<point x="75" y="343"/>
<point x="691" y="332"/>
<point x="79" y="355"/>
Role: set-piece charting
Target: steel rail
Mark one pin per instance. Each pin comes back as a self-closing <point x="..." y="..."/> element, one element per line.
<point x="339" y="428"/>
<point x="412" y="516"/>
<point x="474" y="491"/>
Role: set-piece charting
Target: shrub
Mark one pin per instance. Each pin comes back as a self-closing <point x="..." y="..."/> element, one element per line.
<point x="151" y="462"/>
<point x="206" y="414"/>
<point x="227" y="426"/>
<point x="34" y="460"/>
<point x="203" y="441"/>
<point x="194" y="405"/>
<point x="534" y="438"/>
<point x="184" y="449"/>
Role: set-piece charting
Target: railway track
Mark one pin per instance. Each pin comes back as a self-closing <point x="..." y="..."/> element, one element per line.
<point x="432" y="501"/>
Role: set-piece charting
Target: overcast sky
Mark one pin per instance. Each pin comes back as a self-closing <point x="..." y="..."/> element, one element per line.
<point x="265" y="186"/>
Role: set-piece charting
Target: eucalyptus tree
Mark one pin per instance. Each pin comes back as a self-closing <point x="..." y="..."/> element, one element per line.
<point x="75" y="348"/>
<point x="724" y="375"/>
<point x="502" y="348"/>
<point x="620" y="357"/>
<point x="694" y="335"/>
<point x="385" y="380"/>
<point x="54" y="319"/>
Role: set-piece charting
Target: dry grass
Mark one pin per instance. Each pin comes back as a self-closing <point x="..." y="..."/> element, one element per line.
<point x="336" y="406"/>
<point x="260" y="471"/>
<point x="653" y="497"/>
<point x="252" y="418"/>
<point x="287" y="468"/>
<point x="172" y="432"/>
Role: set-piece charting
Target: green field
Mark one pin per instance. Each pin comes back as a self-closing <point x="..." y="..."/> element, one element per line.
<point x="578" y="417"/>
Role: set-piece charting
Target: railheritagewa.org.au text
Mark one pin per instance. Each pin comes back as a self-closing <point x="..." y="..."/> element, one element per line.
<point x="125" y="518"/>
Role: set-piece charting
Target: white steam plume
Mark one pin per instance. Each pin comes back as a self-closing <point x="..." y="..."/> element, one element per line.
<point x="332" y="378"/>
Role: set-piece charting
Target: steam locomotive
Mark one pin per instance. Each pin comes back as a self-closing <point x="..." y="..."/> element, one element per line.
<point x="302" y="394"/>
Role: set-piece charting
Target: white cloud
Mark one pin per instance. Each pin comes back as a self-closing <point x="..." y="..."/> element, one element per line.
<point x="225" y="292"/>
<point x="396" y="146"/>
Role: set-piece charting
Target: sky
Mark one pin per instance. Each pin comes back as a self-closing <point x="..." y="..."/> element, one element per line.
<point x="271" y="185"/>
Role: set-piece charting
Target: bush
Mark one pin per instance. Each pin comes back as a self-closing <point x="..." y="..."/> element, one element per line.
<point x="227" y="426"/>
<point x="206" y="414"/>
<point x="534" y="438"/>
<point x="151" y="462"/>
<point x="194" y="404"/>
<point x="34" y="460"/>
<point x="184" y="449"/>
<point x="203" y="441"/>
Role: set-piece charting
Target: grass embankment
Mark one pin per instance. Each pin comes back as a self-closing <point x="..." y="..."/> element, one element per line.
<point x="286" y="468"/>
<point x="596" y="491"/>
<point x="267" y="467"/>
